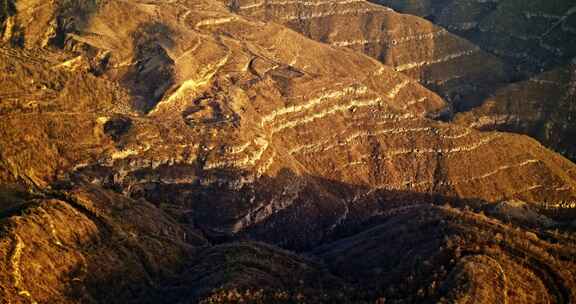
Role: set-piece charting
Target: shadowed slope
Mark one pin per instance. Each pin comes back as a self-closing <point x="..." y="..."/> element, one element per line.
<point x="530" y="35"/>
<point x="448" y="255"/>
<point x="89" y="245"/>
<point x="542" y="107"/>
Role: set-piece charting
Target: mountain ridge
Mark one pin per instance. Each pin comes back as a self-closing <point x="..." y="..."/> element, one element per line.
<point x="190" y="153"/>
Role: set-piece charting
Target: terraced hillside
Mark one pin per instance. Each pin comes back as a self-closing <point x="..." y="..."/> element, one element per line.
<point x="181" y="149"/>
<point x="449" y="65"/>
<point x="535" y="39"/>
<point x="542" y="106"/>
<point x="532" y="36"/>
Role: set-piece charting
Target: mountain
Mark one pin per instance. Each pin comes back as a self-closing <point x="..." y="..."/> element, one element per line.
<point x="195" y="151"/>
<point x="542" y="106"/>
<point x="535" y="41"/>
<point x="532" y="36"/>
<point x="449" y="65"/>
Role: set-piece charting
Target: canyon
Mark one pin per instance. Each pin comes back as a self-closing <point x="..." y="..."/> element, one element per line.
<point x="200" y="151"/>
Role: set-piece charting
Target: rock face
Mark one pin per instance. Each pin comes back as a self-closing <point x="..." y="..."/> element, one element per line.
<point x="161" y="142"/>
<point x="449" y="65"/>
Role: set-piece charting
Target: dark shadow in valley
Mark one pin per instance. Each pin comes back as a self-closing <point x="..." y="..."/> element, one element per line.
<point x="7" y="9"/>
<point x="152" y="73"/>
<point x="72" y="16"/>
<point x="291" y="211"/>
<point x="352" y="242"/>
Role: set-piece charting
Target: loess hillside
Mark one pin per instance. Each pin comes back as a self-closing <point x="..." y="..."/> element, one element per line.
<point x="441" y="61"/>
<point x="208" y="151"/>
